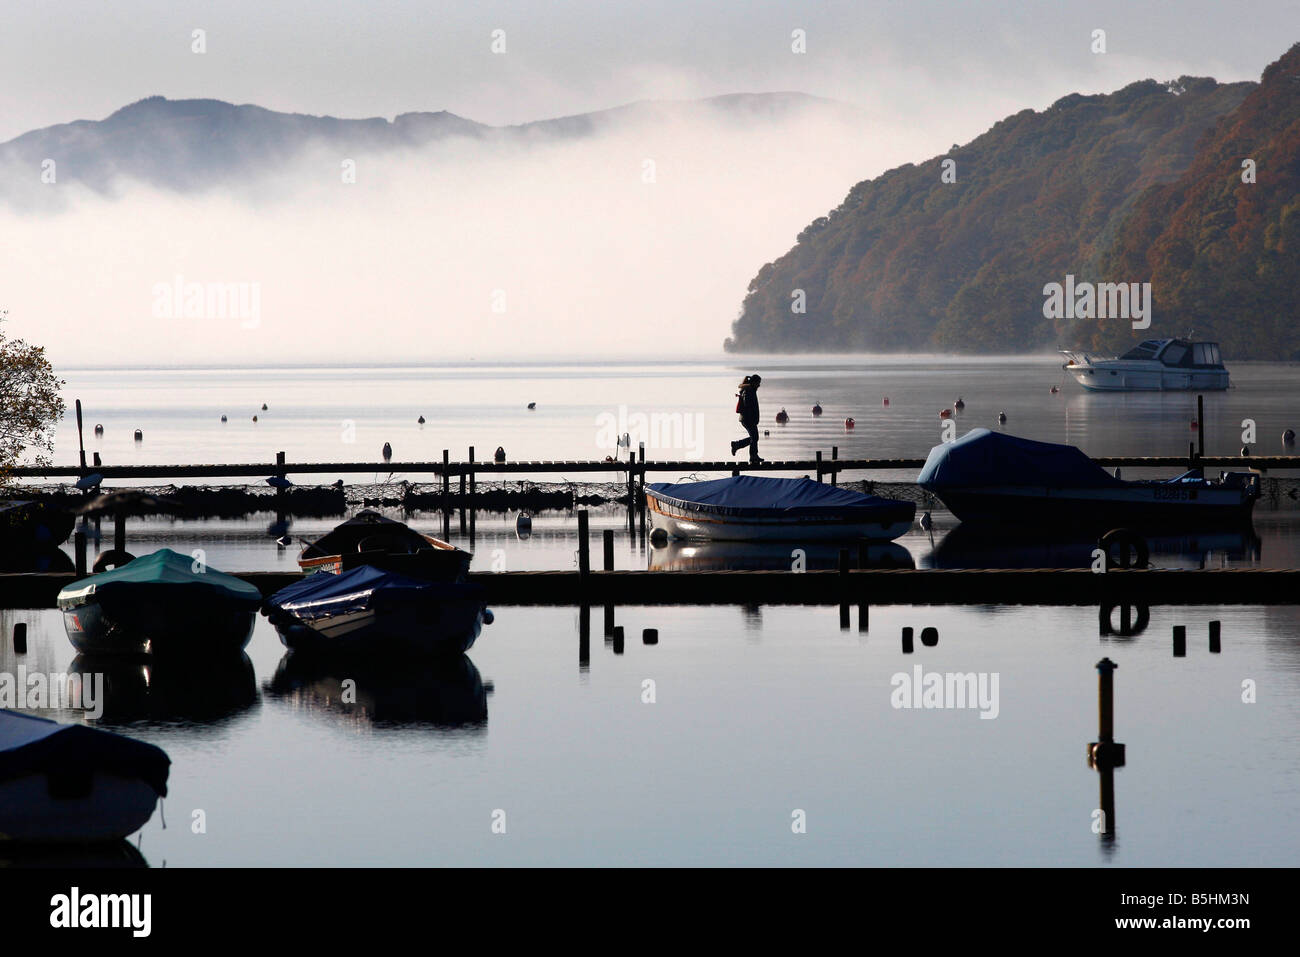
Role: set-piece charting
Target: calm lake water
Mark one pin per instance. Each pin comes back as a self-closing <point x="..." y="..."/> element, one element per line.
<point x="758" y="713"/>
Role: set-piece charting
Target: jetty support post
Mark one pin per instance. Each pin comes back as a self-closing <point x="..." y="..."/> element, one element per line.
<point x="584" y="547"/>
<point x="1180" y="641"/>
<point x="907" y="641"/>
<point x="844" y="589"/>
<point x="279" y="489"/>
<point x="835" y="472"/>
<point x="20" y="638"/>
<point x="119" y="531"/>
<point x="79" y="551"/>
<point x="584" y="637"/>
<point x="1215" y="647"/>
<point x="1200" y="425"/>
<point x="473" y="481"/>
<point x="819" y="465"/>
<point x="607" y="540"/>
<point x="1105" y="754"/>
<point x="446" y="479"/>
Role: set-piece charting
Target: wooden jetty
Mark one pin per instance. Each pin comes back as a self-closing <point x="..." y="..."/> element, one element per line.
<point x="1032" y="586"/>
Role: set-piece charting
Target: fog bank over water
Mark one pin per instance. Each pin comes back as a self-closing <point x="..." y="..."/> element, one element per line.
<point x="639" y="236"/>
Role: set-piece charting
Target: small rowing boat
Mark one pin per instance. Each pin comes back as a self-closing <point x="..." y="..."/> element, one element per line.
<point x="992" y="477"/>
<point x="762" y="509"/>
<point x="370" y="611"/>
<point x="160" y="604"/>
<point x="370" y="539"/>
<point x="69" y="783"/>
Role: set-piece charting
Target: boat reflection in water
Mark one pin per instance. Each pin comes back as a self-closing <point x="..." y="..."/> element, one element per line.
<point x="446" y="693"/>
<point x="120" y="854"/>
<point x="153" y="689"/>
<point x="970" y="546"/>
<point x="688" y="556"/>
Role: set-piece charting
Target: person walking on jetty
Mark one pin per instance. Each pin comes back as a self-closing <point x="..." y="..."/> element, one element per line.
<point x="747" y="407"/>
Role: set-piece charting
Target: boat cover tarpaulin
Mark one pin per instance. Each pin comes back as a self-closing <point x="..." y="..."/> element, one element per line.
<point x="984" y="458"/>
<point x="165" y="567"/>
<point x="323" y="594"/>
<point x="32" y="745"/>
<point x="761" y="497"/>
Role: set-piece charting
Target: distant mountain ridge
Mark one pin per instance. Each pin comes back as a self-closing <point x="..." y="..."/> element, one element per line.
<point x="1143" y="184"/>
<point x="196" y="144"/>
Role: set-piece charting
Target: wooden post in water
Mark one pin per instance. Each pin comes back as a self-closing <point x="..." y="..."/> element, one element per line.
<point x="584" y="637"/>
<point x="1180" y="641"/>
<point x="20" y="638"/>
<point x="1200" y="425"/>
<point x="844" y="589"/>
<point x="618" y="640"/>
<point x="835" y="473"/>
<point x="446" y="478"/>
<point x="98" y="463"/>
<point x="79" y="552"/>
<point x="907" y="641"/>
<point x="819" y="465"/>
<point x="81" y="441"/>
<point x="473" y="483"/>
<point x="119" y="532"/>
<point x="1105" y="754"/>
<point x="607" y="539"/>
<point x="1214" y="638"/>
<point x="584" y="547"/>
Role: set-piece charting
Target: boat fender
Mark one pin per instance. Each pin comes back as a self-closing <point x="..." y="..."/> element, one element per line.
<point x="139" y="436"/>
<point x="659" y="538"/>
<point x="113" y="558"/>
<point x="1288" y="437"/>
<point x="1126" y="541"/>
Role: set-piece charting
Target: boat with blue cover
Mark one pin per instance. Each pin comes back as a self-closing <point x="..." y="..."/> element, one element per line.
<point x="992" y="477"/>
<point x="162" y="604"/>
<point x="69" y="783"/>
<point x="758" y="508"/>
<point x="372" y="611"/>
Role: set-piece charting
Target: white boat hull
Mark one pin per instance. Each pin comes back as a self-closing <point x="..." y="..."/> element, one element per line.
<point x="682" y="525"/>
<point x="1103" y="377"/>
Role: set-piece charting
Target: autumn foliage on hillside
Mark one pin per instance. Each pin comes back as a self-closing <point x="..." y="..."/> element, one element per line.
<point x="1088" y="187"/>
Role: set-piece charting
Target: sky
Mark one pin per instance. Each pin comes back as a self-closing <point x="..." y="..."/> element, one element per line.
<point x="588" y="259"/>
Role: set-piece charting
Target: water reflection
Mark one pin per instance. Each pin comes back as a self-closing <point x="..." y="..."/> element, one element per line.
<point x="678" y="556"/>
<point x="41" y="560"/>
<point x="970" y="546"/>
<point x="444" y="694"/>
<point x="154" y="689"/>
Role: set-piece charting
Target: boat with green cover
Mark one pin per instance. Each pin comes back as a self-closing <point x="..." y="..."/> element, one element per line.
<point x="160" y="604"/>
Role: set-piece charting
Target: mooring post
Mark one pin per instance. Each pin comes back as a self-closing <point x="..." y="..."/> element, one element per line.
<point x="863" y="617"/>
<point x="1180" y="641"/>
<point x="1214" y="638"/>
<point x="607" y="538"/>
<point x="584" y="553"/>
<point x="20" y="638"/>
<point x="584" y="637"/>
<point x="618" y="639"/>
<point x="81" y="442"/>
<point x="835" y="472"/>
<point x="1200" y="425"/>
<point x="1105" y="754"/>
<point x="446" y="477"/>
<point x="119" y="531"/>
<point x="907" y="641"/>
<point x="649" y="636"/>
<point x="473" y="480"/>
<point x="79" y="551"/>
<point x="98" y="462"/>
<point x="819" y="465"/>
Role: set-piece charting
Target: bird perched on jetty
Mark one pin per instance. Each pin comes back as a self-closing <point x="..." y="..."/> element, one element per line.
<point x="1245" y="451"/>
<point x="338" y="484"/>
<point x="499" y="455"/>
<point x="388" y="452"/>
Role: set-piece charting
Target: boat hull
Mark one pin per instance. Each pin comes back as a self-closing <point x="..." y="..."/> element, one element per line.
<point x="708" y="525"/>
<point x="1122" y="377"/>
<point x="160" y="620"/>
<point x="34" y="808"/>
<point x="1157" y="505"/>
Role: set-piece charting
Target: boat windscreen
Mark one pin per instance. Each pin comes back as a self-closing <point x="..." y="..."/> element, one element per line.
<point x="1143" y="350"/>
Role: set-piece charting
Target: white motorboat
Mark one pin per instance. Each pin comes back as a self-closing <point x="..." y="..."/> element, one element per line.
<point x="1154" y="365"/>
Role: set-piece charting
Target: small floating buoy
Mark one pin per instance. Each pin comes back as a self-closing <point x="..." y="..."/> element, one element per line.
<point x="782" y="417"/>
<point x="254" y="418"/>
<point x="1002" y="418"/>
<point x="388" y="452"/>
<point x="500" y="455"/>
<point x="849" y="423"/>
<point x="223" y="418"/>
<point x="1194" y="425"/>
<point x="885" y="401"/>
<point x="263" y="406"/>
<point x="766" y="433"/>
<point x="420" y="420"/>
<point x="1245" y="451"/>
<point x="1288" y="437"/>
<point x="524" y="525"/>
<point x="532" y="405"/>
<point x="1054" y="389"/>
<point x="945" y="413"/>
<point x="959" y="404"/>
<point x="139" y="436"/>
<point x="817" y="409"/>
<point x="99" y="429"/>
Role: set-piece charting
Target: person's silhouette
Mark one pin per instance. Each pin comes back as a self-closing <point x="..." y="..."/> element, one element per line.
<point x="747" y="407"/>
